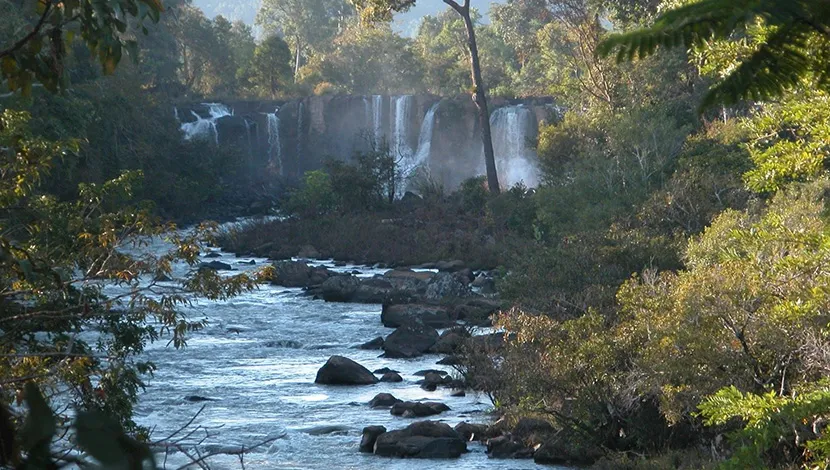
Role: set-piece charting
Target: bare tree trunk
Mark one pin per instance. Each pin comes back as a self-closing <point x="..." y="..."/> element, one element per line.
<point x="479" y="95"/>
<point x="297" y="61"/>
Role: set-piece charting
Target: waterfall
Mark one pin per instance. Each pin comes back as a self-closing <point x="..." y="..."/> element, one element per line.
<point x="512" y="126"/>
<point x="203" y="128"/>
<point x="425" y="138"/>
<point x="274" y="146"/>
<point x="377" y="115"/>
<point x="400" y="133"/>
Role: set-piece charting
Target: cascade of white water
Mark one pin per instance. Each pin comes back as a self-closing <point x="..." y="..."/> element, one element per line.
<point x="515" y="161"/>
<point x="274" y="146"/>
<point x="204" y="128"/>
<point x="377" y="115"/>
<point x="425" y="138"/>
<point x="400" y="134"/>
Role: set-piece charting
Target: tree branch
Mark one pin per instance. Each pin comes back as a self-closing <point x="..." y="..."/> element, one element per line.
<point x="22" y="42"/>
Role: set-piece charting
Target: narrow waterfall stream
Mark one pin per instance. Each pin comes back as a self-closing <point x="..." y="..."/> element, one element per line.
<point x="204" y="128"/>
<point x="512" y="127"/>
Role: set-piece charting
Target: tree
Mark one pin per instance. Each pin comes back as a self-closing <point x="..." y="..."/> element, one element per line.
<point x="796" y="46"/>
<point x="308" y="24"/>
<point x="272" y="65"/>
<point x="40" y="53"/>
<point x="376" y="10"/>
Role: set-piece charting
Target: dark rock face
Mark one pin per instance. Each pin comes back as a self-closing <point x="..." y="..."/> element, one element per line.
<point x="382" y="400"/>
<point x="339" y="370"/>
<point x="376" y="343"/>
<point x="298" y="274"/>
<point x="435" y="316"/>
<point x="424" y="439"/>
<point x="446" y="286"/>
<point x="409" y="341"/>
<point x="415" y="409"/>
<point x="370" y="435"/>
<point x="450" y="341"/>
<point x="216" y="266"/>
<point x="391" y="377"/>
<point x="472" y="432"/>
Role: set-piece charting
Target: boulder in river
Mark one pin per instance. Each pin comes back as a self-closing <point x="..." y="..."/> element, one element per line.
<point x="384" y="370"/>
<point x="450" y="341"/>
<point x="376" y="343"/>
<point x="370" y="435"/>
<point x="382" y="400"/>
<point x="212" y="254"/>
<point x="298" y="274"/>
<point x="417" y="409"/>
<point x="198" y="398"/>
<point x="473" y="431"/>
<point x="216" y="266"/>
<point x="436" y="316"/>
<point x="341" y="288"/>
<point x="424" y="439"/>
<point x="409" y="341"/>
<point x="446" y="286"/>
<point x="391" y="377"/>
<point x="339" y="370"/>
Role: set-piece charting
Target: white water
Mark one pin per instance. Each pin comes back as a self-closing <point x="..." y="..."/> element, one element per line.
<point x="377" y="116"/>
<point x="400" y="133"/>
<point x="425" y="138"/>
<point x="516" y="161"/>
<point x="204" y="128"/>
<point x="258" y="358"/>
<point x="274" y="145"/>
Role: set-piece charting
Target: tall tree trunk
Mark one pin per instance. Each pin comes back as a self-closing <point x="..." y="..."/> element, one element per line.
<point x="479" y="95"/>
<point x="297" y="60"/>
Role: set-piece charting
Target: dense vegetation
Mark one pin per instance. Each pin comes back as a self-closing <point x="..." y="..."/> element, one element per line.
<point x="664" y="287"/>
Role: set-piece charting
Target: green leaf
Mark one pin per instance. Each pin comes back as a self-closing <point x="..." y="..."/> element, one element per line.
<point x="98" y="435"/>
<point x="40" y="424"/>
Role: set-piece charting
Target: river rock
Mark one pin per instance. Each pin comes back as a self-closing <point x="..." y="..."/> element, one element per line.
<point x="423" y="373"/>
<point x="508" y="447"/>
<point x="401" y="273"/>
<point x="450" y="341"/>
<point x="339" y="370"/>
<point x="384" y="370"/>
<point x="476" y="311"/>
<point x="416" y="409"/>
<point x="424" y="439"/>
<point x="445" y="286"/>
<point x="376" y="343"/>
<point x="216" y="266"/>
<point x="324" y="430"/>
<point x="308" y="252"/>
<point x="449" y="361"/>
<point x="436" y="316"/>
<point x="370" y="435"/>
<point x="341" y="288"/>
<point x="198" y="398"/>
<point x="391" y="377"/>
<point x="212" y="254"/>
<point x="409" y="341"/>
<point x="382" y="400"/>
<point x="473" y="431"/>
<point x="450" y="266"/>
<point x="298" y="274"/>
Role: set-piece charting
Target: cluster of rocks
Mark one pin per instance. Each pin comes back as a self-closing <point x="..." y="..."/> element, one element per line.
<point x="423" y="439"/>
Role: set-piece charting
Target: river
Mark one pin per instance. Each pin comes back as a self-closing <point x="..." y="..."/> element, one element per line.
<point x="258" y="358"/>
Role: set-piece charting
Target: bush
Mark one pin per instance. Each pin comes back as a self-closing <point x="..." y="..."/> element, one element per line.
<point x="474" y="194"/>
<point x="315" y="197"/>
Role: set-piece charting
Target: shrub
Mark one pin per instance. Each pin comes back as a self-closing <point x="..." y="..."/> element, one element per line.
<point x="474" y="194"/>
<point x="315" y="197"/>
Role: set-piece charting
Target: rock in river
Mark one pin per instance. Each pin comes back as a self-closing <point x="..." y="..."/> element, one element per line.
<point x="416" y="409"/>
<point x="436" y="316"/>
<point x="424" y="439"/>
<point x="339" y="370"/>
<point x="410" y="341"/>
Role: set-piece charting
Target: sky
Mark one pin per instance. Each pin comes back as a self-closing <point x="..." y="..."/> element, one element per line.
<point x="406" y="23"/>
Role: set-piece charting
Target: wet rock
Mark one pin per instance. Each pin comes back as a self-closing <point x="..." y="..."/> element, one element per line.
<point x="416" y="409"/>
<point x="247" y="263"/>
<point x="384" y="370"/>
<point x="382" y="400"/>
<point x="533" y="429"/>
<point x="450" y="266"/>
<point x="465" y="275"/>
<point x="429" y="386"/>
<point x="472" y="431"/>
<point x="409" y="341"/>
<point x="212" y="254"/>
<point x="449" y="361"/>
<point x="409" y="274"/>
<point x="477" y="311"/>
<point x="376" y="343"/>
<point x="298" y="274"/>
<point x="436" y="316"/>
<point x="423" y="373"/>
<point x="216" y="266"/>
<point x="450" y="341"/>
<point x="198" y="398"/>
<point x="324" y="430"/>
<point x="507" y="447"/>
<point x="424" y="439"/>
<point x="391" y="377"/>
<point x="339" y="370"/>
<point x="445" y="286"/>
<point x="458" y="393"/>
<point x="340" y="288"/>
<point x="370" y="435"/>
<point x="284" y="343"/>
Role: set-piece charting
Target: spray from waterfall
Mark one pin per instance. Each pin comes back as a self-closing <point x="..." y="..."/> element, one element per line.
<point x="516" y="162"/>
<point x="377" y="115"/>
<point x="274" y="145"/>
<point x="425" y="138"/>
<point x="204" y="128"/>
<point x="400" y="134"/>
